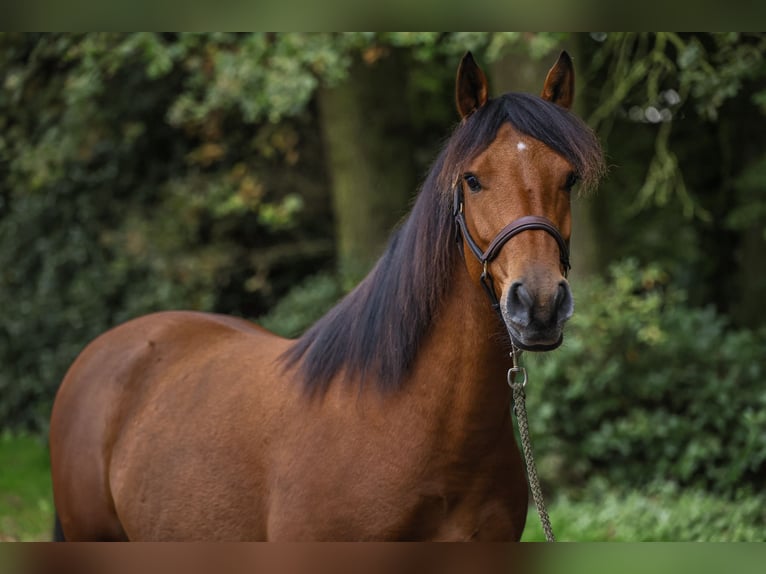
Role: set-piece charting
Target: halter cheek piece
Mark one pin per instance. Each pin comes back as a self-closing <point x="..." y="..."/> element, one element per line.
<point x="525" y="223"/>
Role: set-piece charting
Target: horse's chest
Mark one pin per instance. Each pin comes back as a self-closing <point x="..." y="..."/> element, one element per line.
<point x="397" y="487"/>
<point x="480" y="507"/>
<point x="483" y="513"/>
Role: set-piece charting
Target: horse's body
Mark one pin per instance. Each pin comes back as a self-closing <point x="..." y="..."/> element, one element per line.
<point x="263" y="462"/>
<point x="192" y="426"/>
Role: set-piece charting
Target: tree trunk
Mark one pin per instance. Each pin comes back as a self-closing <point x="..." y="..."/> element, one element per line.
<point x="738" y="278"/>
<point x="749" y="310"/>
<point x="365" y="122"/>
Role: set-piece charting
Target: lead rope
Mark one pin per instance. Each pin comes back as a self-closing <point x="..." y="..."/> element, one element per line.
<point x="519" y="407"/>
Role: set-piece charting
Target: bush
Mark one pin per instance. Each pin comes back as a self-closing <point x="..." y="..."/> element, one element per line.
<point x="646" y="387"/>
<point x="303" y="305"/>
<point x="125" y="190"/>
<point x="660" y="511"/>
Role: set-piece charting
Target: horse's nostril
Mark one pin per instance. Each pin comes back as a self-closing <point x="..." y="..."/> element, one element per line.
<point x="519" y="303"/>
<point x="525" y="307"/>
<point x="564" y="304"/>
<point x="521" y="295"/>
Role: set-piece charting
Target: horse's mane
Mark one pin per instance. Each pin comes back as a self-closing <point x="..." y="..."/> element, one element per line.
<point x="374" y="333"/>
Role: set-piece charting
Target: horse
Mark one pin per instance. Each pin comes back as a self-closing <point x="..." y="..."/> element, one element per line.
<point x="389" y="418"/>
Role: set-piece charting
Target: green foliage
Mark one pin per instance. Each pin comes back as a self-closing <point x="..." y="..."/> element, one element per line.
<point x="750" y="207"/>
<point x="262" y="76"/>
<point x="659" y="78"/>
<point x="26" y="499"/>
<point x="303" y="305"/>
<point x="647" y="388"/>
<point x="117" y="201"/>
<point x="660" y="511"/>
<point x="427" y="46"/>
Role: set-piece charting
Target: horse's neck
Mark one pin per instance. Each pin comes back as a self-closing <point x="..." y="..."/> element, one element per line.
<point x="460" y="372"/>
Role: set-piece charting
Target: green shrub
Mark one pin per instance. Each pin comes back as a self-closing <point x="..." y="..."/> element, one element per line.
<point x="303" y="305"/>
<point x="26" y="498"/>
<point x="132" y="181"/>
<point x="647" y="387"/>
<point x="660" y="511"/>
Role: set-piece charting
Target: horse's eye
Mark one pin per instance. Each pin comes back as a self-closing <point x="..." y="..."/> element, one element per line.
<point x="472" y="181"/>
<point x="571" y="181"/>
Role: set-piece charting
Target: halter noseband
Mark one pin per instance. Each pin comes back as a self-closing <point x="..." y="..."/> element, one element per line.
<point x="525" y="223"/>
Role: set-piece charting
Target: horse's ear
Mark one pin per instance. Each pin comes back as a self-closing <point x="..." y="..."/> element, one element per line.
<point x="559" y="85"/>
<point x="470" y="86"/>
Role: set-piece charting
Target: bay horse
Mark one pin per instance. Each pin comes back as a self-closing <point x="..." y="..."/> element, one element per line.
<point x="389" y="418"/>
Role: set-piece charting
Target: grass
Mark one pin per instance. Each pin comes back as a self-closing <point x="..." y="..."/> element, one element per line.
<point x="661" y="512"/>
<point x="26" y="502"/>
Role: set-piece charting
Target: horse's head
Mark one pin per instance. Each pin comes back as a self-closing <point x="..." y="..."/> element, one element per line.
<point x="521" y="157"/>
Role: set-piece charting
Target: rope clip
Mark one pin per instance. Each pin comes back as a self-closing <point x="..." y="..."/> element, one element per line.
<point x="514" y="373"/>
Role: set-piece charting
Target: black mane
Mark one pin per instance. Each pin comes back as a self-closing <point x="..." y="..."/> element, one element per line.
<point x="375" y="332"/>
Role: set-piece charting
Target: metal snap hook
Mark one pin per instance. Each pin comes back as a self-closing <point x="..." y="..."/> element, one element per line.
<point x="514" y="373"/>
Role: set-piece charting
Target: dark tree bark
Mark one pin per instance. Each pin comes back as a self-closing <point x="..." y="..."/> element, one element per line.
<point x="366" y="128"/>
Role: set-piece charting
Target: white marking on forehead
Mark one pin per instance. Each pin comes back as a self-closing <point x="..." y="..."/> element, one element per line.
<point x="521" y="146"/>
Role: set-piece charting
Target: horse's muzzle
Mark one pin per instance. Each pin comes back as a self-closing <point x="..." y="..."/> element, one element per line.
<point x="534" y="317"/>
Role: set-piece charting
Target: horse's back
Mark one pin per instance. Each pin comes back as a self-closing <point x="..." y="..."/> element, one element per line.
<point x="171" y="393"/>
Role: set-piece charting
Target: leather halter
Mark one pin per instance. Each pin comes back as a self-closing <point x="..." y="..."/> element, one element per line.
<point x="525" y="223"/>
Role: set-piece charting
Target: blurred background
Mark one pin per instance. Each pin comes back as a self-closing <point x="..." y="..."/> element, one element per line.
<point x="260" y="174"/>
